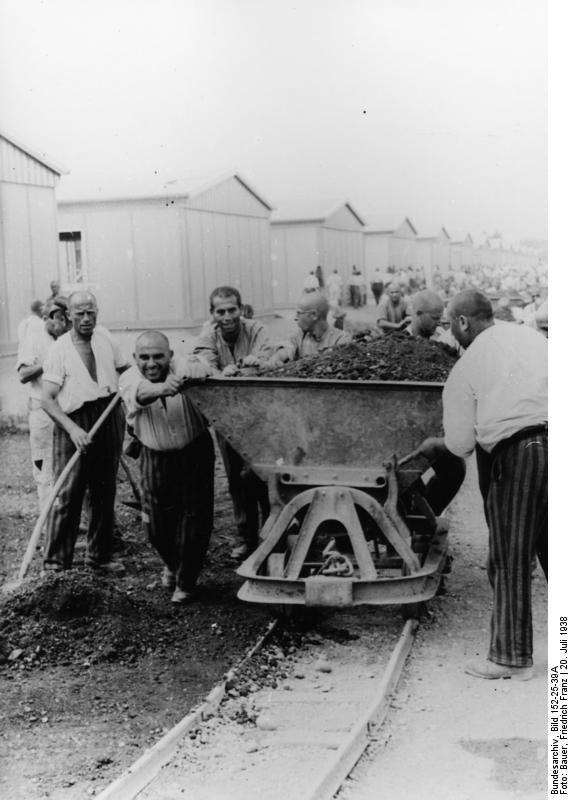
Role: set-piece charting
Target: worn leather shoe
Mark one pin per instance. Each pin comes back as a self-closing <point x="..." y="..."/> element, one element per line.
<point x="491" y="671"/>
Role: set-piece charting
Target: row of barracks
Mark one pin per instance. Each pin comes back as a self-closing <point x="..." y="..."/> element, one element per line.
<point x="153" y="259"/>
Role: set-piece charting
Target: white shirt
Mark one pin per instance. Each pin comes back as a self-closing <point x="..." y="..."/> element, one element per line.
<point x="32" y="352"/>
<point x="31" y="324"/>
<point x="65" y="367"/>
<point x="311" y="282"/>
<point x="498" y="387"/>
<point x="165" y="424"/>
<point x="334" y="280"/>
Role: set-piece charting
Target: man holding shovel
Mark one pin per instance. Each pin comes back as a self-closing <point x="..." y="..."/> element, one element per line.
<point x="80" y="381"/>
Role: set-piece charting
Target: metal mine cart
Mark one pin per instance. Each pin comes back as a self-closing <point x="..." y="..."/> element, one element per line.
<point x="346" y="527"/>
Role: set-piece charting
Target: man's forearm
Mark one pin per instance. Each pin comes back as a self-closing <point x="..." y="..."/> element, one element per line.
<point x="148" y="392"/>
<point x="55" y="411"/>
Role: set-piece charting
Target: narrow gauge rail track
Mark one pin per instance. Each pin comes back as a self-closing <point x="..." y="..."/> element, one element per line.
<point x="299" y="739"/>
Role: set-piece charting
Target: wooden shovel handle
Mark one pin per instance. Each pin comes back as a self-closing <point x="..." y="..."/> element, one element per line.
<point x="32" y="544"/>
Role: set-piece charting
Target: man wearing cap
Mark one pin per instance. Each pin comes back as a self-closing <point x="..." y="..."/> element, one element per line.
<point x="32" y="352"/>
<point x="495" y="402"/>
<point x="80" y="380"/>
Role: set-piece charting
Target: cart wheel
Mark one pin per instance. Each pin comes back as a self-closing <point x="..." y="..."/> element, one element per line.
<point x="414" y="610"/>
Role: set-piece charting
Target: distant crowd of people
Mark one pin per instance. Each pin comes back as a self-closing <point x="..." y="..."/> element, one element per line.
<point x="520" y="295"/>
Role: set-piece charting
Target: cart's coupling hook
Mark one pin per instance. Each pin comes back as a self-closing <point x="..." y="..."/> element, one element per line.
<point x="335" y="563"/>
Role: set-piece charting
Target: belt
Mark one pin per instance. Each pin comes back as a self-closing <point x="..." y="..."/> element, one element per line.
<point x="524" y="433"/>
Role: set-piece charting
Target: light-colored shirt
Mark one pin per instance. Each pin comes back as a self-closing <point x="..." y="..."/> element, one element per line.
<point x="31" y="324"/>
<point x="32" y="352"/>
<point x="311" y="282"/>
<point x="498" y="387"/>
<point x="334" y="281"/>
<point x="304" y="344"/>
<point x="64" y="366"/>
<point x="166" y="424"/>
<point x="389" y="312"/>
<point x="252" y="340"/>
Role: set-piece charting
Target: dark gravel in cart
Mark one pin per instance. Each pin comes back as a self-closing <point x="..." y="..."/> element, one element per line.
<point x="394" y="357"/>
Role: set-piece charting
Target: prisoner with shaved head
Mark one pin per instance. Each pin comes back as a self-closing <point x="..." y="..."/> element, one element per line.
<point x="495" y="403"/>
<point x="427" y="311"/>
<point x="176" y="460"/>
<point x="393" y="310"/>
<point x="313" y="332"/>
<point x="230" y="343"/>
<point x="80" y="379"/>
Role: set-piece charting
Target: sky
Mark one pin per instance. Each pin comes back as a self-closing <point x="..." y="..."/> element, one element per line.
<point x="432" y="109"/>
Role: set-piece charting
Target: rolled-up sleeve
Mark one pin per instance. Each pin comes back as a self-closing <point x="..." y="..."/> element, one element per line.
<point x="129" y="383"/>
<point x="459" y="414"/>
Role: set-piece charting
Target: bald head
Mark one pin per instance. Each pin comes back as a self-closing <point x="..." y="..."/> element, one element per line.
<point x="470" y="313"/>
<point x="80" y="297"/>
<point x="427" y="310"/>
<point x="312" y="310"/>
<point x="83" y="314"/>
<point x="153" y="355"/>
<point x="37" y="307"/>
<point x="427" y="301"/>
<point x="152" y="338"/>
<point x="470" y="303"/>
<point x="314" y="302"/>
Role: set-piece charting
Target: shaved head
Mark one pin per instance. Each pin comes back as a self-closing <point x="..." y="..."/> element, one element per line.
<point x="427" y="307"/>
<point x="153" y="355"/>
<point x="81" y="296"/>
<point x="152" y="338"/>
<point x="314" y="302"/>
<point x="470" y="312"/>
<point x="470" y="303"/>
<point x="427" y="302"/>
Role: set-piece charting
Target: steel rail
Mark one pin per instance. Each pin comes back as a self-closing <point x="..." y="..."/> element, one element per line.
<point x="128" y="785"/>
<point x="329" y="779"/>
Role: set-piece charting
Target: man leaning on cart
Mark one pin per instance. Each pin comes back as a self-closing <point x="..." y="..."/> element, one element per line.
<point x="495" y="402"/>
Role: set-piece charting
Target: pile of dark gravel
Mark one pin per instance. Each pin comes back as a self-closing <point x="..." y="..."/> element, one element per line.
<point x="394" y="357"/>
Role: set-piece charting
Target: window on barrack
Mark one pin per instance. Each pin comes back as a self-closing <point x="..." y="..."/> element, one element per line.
<point x="71" y="255"/>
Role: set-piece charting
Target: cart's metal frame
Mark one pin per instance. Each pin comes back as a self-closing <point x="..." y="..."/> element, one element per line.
<point x="346" y="527"/>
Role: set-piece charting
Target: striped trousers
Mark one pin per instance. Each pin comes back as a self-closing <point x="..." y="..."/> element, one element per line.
<point x="514" y="484"/>
<point x="178" y="505"/>
<point x="249" y="493"/>
<point x="95" y="470"/>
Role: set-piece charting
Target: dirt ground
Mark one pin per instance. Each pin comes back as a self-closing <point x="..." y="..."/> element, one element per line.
<point x="94" y="670"/>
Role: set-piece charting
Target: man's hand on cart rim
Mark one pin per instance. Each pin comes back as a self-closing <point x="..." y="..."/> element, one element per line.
<point x="431" y="448"/>
<point x="249" y="361"/>
<point x="194" y="371"/>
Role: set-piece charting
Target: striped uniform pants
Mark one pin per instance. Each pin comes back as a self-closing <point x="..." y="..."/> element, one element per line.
<point x="95" y="470"/>
<point x="178" y="505"/>
<point x="249" y="493"/>
<point x="514" y="483"/>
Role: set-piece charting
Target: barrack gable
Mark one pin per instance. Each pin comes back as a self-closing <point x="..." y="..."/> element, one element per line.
<point x="19" y="164"/>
